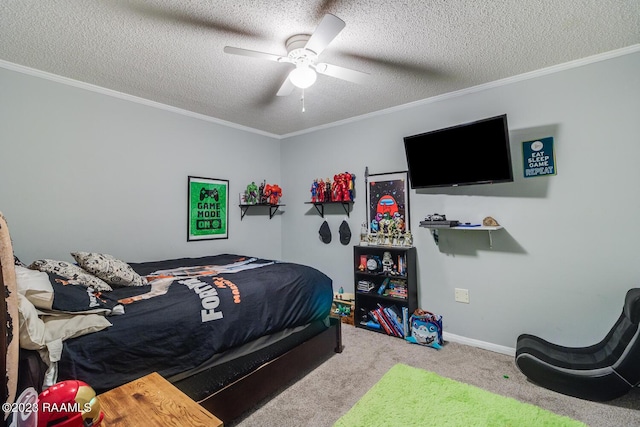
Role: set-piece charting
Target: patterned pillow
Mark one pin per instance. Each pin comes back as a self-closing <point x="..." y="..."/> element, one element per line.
<point x="74" y="274"/>
<point x="111" y="270"/>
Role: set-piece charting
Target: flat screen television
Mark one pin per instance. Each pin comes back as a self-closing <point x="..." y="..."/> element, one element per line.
<point x="471" y="153"/>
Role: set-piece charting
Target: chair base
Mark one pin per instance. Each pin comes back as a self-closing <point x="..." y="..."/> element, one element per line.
<point x="598" y="385"/>
<point x="582" y="372"/>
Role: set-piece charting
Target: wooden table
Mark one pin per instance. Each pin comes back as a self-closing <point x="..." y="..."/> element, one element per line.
<point x="152" y="401"/>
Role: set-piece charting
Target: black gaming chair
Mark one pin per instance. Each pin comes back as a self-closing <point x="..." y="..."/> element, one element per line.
<point x="601" y="372"/>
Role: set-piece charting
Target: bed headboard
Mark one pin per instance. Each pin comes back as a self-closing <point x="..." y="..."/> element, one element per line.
<point x="8" y="317"/>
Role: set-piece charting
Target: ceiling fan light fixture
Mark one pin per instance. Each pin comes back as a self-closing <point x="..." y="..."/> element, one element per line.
<point x="303" y="76"/>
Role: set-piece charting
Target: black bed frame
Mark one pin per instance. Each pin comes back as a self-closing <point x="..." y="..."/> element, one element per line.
<point x="239" y="397"/>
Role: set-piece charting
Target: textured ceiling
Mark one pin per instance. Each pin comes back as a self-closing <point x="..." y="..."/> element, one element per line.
<point x="171" y="51"/>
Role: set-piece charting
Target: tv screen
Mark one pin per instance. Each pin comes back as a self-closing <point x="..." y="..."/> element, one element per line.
<point x="471" y="153"/>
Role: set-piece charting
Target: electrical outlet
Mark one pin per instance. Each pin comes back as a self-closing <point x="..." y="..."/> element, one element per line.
<point x="462" y="295"/>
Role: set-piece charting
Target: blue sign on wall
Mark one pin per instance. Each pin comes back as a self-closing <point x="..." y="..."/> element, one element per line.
<point x="538" y="157"/>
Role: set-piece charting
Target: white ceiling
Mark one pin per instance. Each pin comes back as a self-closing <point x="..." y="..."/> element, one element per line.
<point x="171" y="51"/>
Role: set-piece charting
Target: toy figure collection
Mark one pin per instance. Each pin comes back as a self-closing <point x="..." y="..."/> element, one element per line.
<point x="266" y="194"/>
<point x="340" y="190"/>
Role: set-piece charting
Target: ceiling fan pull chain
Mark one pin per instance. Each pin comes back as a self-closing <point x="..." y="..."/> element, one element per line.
<point x="302" y="99"/>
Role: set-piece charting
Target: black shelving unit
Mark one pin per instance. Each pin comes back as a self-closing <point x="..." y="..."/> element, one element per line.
<point x="400" y="280"/>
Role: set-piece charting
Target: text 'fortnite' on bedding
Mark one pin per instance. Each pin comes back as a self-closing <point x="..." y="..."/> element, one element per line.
<point x="209" y="296"/>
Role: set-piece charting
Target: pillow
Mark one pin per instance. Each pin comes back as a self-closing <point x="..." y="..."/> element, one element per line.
<point x="74" y="274"/>
<point x="68" y="326"/>
<point x="111" y="270"/>
<point x="16" y="261"/>
<point x="35" y="286"/>
<point x="53" y="293"/>
<point x="36" y="333"/>
<point x="31" y="327"/>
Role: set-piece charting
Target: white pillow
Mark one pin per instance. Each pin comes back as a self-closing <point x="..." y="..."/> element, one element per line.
<point x="31" y="327"/>
<point x="64" y="327"/>
<point x="113" y="271"/>
<point x="35" y="285"/>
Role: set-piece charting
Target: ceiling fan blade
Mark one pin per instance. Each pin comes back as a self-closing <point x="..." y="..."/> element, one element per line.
<point x="401" y="66"/>
<point x="166" y="14"/>
<point x="286" y="88"/>
<point x="255" y="54"/>
<point x="342" y="73"/>
<point x="327" y="30"/>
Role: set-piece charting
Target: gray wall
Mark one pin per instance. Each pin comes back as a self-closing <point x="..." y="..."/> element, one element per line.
<point x="81" y="170"/>
<point x="568" y="250"/>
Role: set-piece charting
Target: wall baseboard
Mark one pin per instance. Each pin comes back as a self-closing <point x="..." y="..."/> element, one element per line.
<point x="480" y="344"/>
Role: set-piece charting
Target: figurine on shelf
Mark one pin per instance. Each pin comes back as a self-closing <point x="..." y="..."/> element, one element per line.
<point x="275" y="192"/>
<point x="363" y="233"/>
<point x="342" y="187"/>
<point x="408" y="239"/>
<point x="267" y="193"/>
<point x="335" y="189"/>
<point x="375" y="226"/>
<point x="399" y="221"/>
<point x="327" y="190"/>
<point x="261" y="197"/>
<point x="320" y="190"/>
<point x="251" y="193"/>
<point x="352" y="186"/>
<point x="314" y="191"/>
<point x="387" y="262"/>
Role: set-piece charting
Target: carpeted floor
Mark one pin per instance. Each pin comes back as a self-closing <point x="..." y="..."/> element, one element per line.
<point x="327" y="393"/>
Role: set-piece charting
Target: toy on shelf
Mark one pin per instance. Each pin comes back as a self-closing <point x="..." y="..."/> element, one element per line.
<point x="387" y="262"/>
<point x="251" y="194"/>
<point x="272" y="193"/>
<point x="327" y="190"/>
<point x="265" y="194"/>
<point x="320" y="191"/>
<point x="386" y="230"/>
<point x="314" y="191"/>
<point x="342" y="189"/>
<point x="262" y="198"/>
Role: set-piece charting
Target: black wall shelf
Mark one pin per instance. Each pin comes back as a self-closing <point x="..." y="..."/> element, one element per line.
<point x="320" y="206"/>
<point x="272" y="209"/>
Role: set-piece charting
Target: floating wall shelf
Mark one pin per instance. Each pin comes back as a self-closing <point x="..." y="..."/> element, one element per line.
<point x="272" y="209"/>
<point x="320" y="206"/>
<point x="488" y="229"/>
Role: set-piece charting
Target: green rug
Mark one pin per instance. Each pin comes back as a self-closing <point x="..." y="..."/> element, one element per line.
<point x="407" y="396"/>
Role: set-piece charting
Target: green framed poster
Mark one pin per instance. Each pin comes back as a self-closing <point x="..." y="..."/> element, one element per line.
<point x="208" y="203"/>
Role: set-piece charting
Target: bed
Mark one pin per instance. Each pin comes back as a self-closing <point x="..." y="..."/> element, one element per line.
<point x="228" y="330"/>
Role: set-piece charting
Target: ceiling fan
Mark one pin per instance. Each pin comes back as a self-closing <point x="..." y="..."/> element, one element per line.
<point x="302" y="52"/>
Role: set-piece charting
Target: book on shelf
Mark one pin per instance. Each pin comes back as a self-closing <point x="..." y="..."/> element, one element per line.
<point x="365" y="286"/>
<point x="393" y="315"/>
<point x="401" y="265"/>
<point x="405" y="321"/>
<point x="389" y="319"/>
<point x="376" y="314"/>
<point x="384" y="285"/>
<point x="397" y="288"/>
